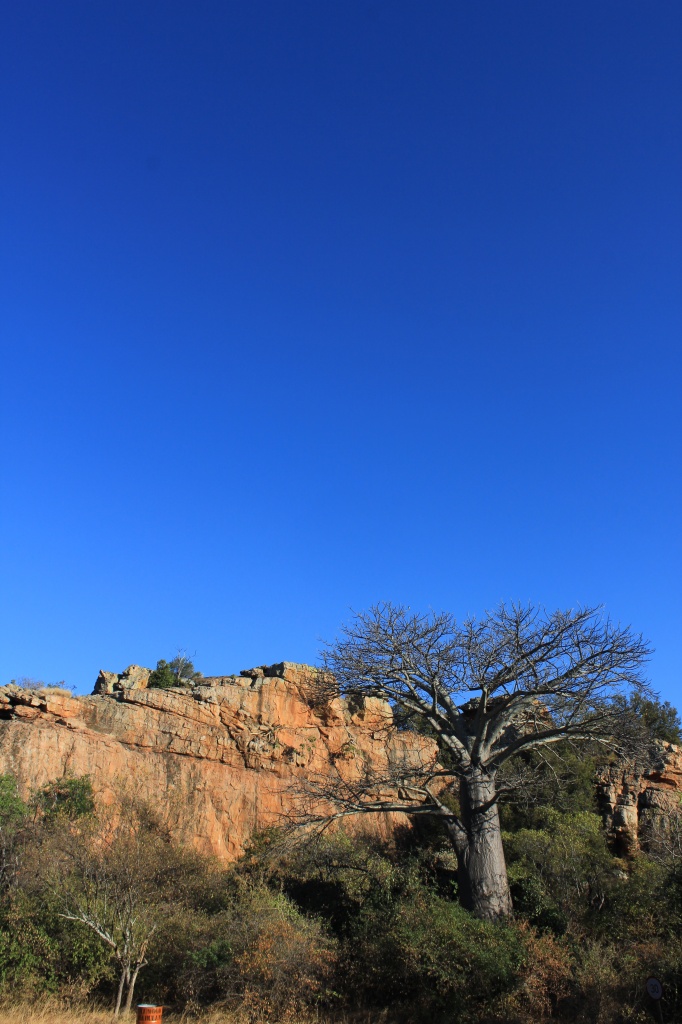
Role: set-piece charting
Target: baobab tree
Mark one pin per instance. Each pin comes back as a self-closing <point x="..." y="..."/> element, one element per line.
<point x="489" y="691"/>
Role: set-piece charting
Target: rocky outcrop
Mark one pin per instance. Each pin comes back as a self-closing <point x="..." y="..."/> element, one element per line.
<point x="225" y="757"/>
<point x="135" y="677"/>
<point x="630" y="798"/>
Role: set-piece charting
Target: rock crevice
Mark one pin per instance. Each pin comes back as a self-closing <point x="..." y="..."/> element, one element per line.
<point x="630" y="797"/>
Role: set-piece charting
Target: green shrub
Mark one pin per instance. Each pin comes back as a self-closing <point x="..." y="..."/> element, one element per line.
<point x="69" y="797"/>
<point x="428" y="953"/>
<point x="561" y="870"/>
<point x="12" y="807"/>
<point x="178" y="672"/>
<point x="42" y="952"/>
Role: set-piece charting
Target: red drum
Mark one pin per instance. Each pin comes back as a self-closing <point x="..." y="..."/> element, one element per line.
<point x="148" y="1014"/>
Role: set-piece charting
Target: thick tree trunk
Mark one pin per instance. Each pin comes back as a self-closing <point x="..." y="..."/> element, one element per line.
<point x="482" y="871"/>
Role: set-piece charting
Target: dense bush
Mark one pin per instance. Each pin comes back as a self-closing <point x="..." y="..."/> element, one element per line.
<point x="252" y="946"/>
<point x="561" y="870"/>
<point x="429" y="954"/>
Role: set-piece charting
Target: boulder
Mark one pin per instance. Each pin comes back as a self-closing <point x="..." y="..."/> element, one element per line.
<point x="135" y="677"/>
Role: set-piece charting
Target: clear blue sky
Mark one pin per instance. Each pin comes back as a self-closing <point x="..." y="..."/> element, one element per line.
<point x="306" y="305"/>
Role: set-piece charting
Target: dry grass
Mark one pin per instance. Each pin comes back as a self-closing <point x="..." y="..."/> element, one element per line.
<point x="54" y="1014"/>
<point x="51" y="1012"/>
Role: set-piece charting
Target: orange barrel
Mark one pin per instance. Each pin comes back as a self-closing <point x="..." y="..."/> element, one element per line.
<point x="148" y="1014"/>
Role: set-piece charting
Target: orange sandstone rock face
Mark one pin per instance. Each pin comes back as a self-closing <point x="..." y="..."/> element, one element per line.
<point x="228" y="756"/>
<point x="630" y="800"/>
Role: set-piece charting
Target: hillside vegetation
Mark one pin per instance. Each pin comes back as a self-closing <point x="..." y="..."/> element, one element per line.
<point x="94" y="907"/>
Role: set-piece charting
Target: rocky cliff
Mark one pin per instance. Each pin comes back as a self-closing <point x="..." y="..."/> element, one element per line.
<point x="228" y="755"/>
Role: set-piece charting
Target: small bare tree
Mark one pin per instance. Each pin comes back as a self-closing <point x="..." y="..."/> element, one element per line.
<point x="107" y="879"/>
<point x="518" y="680"/>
